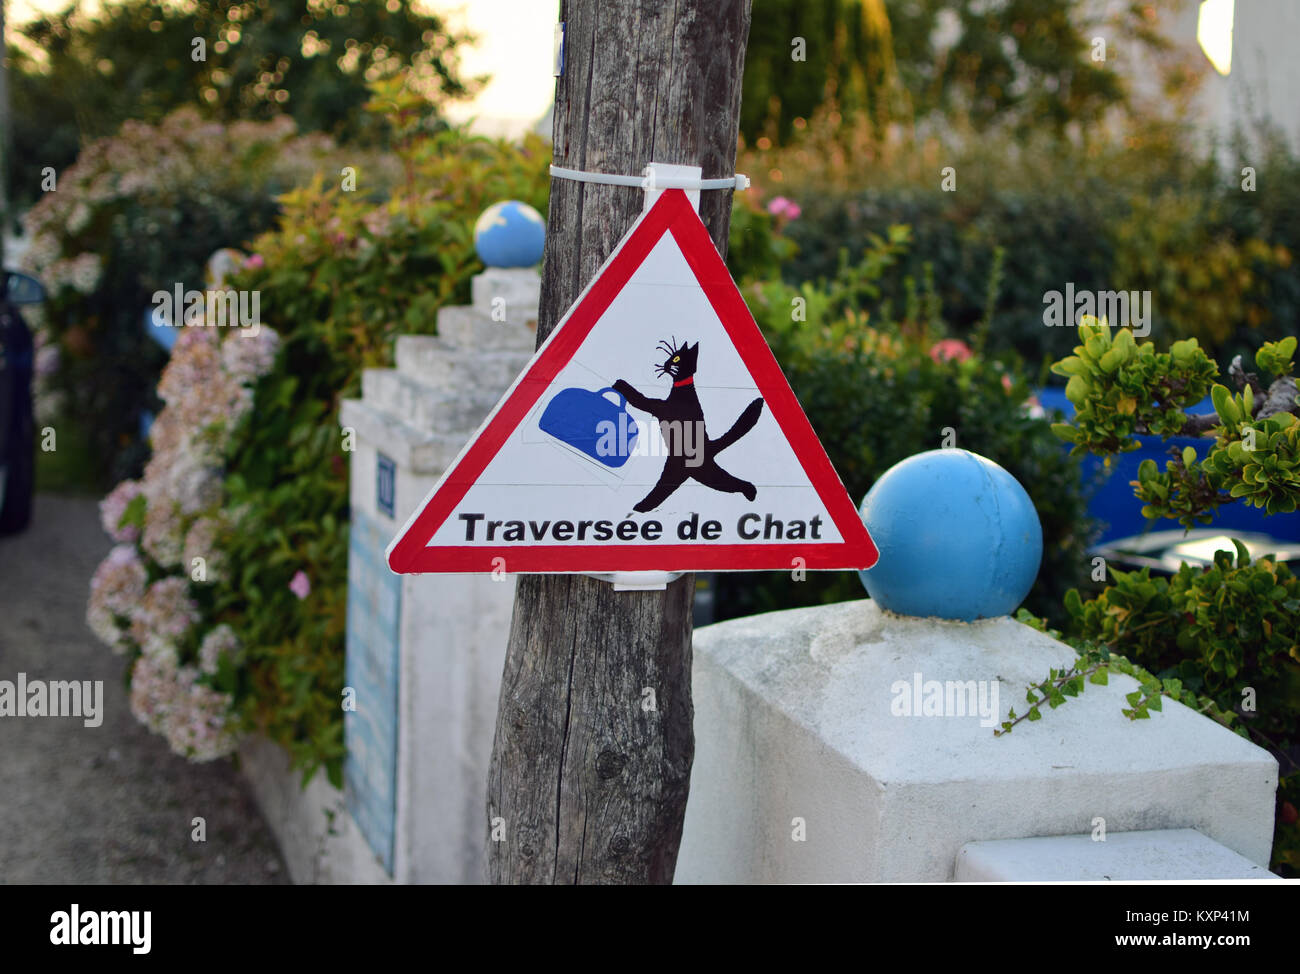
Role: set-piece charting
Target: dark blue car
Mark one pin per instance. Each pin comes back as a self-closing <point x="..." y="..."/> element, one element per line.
<point x="17" y="423"/>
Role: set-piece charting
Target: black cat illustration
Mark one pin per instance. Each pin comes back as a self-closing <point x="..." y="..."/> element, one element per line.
<point x="692" y="453"/>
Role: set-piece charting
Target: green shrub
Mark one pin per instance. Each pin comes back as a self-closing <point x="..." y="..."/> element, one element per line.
<point x="340" y="279"/>
<point x="1224" y="638"/>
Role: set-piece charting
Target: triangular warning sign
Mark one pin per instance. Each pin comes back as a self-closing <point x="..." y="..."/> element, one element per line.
<point x="652" y="431"/>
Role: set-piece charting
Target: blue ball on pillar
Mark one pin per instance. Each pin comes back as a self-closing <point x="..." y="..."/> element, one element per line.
<point x="510" y="234"/>
<point x="958" y="537"/>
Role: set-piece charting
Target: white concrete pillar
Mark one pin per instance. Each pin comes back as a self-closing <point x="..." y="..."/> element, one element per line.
<point x="812" y="763"/>
<point x="425" y="652"/>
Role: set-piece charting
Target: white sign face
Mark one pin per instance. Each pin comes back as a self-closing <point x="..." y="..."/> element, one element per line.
<point x="652" y="431"/>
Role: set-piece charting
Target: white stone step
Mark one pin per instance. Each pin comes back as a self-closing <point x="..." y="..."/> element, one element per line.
<point x="466" y="329"/>
<point x="1140" y="856"/>
<point x="413" y="451"/>
<point x="423" y="406"/>
<point x="514" y="291"/>
<point x="434" y="362"/>
<point x="413" y="352"/>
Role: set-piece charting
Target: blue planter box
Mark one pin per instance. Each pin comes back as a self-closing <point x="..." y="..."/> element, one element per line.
<point x="1111" y="499"/>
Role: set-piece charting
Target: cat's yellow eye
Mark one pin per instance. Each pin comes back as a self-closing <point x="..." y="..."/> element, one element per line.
<point x="676" y="357"/>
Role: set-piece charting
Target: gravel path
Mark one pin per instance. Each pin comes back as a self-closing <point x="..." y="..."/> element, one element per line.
<point x="109" y="804"/>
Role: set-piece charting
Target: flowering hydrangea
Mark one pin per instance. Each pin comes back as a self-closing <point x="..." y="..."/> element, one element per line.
<point x="153" y="691"/>
<point x="112" y="507"/>
<point x="207" y="390"/>
<point x="219" y="642"/>
<point x="113" y="209"/>
<point x="164" y="616"/>
<point x="201" y="542"/>
<point x="115" y="592"/>
<point x="247" y="354"/>
<point x="169" y="700"/>
<point x="197" y="725"/>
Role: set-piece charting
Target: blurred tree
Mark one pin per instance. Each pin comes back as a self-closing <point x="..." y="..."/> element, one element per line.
<point x="1034" y="62"/>
<point x="76" y="76"/>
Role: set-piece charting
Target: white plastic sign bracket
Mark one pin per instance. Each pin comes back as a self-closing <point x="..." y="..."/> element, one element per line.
<point x="660" y="176"/>
<point x="657" y="174"/>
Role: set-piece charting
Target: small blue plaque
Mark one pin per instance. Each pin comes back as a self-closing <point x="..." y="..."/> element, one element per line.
<point x="385" y="484"/>
<point x="372" y="670"/>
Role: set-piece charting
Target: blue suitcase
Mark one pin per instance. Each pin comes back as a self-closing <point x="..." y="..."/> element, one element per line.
<point x="575" y="417"/>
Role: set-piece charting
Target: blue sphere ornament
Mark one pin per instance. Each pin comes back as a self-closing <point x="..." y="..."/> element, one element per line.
<point x="958" y="537"/>
<point x="510" y="234"/>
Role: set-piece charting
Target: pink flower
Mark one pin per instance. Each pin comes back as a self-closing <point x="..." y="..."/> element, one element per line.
<point x="113" y="507"/>
<point x="948" y="349"/>
<point x="1006" y="382"/>
<point x="255" y="262"/>
<point x="300" y="585"/>
<point x="782" y="207"/>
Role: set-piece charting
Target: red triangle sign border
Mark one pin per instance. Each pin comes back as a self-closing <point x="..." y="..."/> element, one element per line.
<point x="671" y="213"/>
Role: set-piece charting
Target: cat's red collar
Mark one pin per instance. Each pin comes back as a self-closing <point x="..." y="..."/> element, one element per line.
<point x="684" y="382"/>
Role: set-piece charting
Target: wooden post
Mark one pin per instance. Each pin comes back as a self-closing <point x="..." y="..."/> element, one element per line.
<point x="592" y="757"/>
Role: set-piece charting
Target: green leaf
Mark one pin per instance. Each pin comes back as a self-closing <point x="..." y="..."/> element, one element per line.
<point x="1223" y="405"/>
<point x="1243" y="555"/>
<point x="1076" y="390"/>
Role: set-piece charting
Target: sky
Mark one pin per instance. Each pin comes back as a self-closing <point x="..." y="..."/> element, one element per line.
<point x="515" y="47"/>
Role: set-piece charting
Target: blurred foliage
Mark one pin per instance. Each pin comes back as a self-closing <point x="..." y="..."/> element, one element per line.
<point x="78" y="74"/>
<point x="1144" y="212"/>
<point x="877" y="387"/>
<point x="139" y="212"/>
<point x="1027" y="64"/>
<point x="1204" y="281"/>
<point x="340" y="278"/>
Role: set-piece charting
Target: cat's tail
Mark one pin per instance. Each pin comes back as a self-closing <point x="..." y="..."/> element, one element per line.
<point x="742" y="426"/>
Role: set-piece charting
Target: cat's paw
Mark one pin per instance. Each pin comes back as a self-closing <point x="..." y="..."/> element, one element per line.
<point x="622" y="387"/>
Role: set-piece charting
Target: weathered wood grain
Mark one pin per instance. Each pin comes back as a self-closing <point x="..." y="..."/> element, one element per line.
<point x="590" y="784"/>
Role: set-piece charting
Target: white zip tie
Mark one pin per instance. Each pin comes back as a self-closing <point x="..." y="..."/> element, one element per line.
<point x="738" y="182"/>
